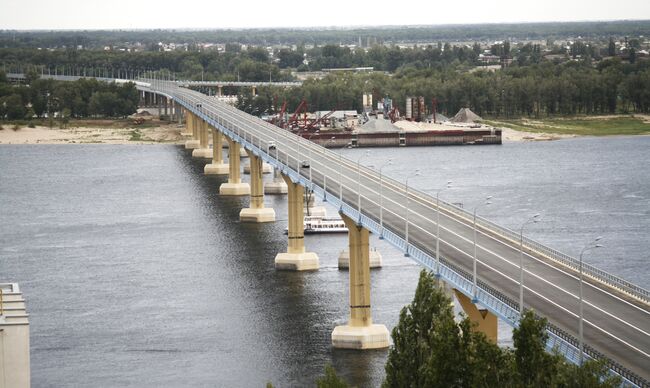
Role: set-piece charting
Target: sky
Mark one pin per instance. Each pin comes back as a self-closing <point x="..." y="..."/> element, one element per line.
<point x="148" y="14"/>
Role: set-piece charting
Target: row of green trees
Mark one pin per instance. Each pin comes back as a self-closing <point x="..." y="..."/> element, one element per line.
<point x="83" y="98"/>
<point x="576" y="87"/>
<point x="432" y="349"/>
<point x="265" y="36"/>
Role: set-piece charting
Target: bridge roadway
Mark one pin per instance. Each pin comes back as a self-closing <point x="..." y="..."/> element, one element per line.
<point x="616" y="323"/>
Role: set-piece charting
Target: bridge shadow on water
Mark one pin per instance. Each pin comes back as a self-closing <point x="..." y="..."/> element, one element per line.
<point x="297" y="311"/>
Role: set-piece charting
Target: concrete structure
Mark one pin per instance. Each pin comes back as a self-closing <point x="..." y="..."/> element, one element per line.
<point x="485" y="321"/>
<point x="277" y="185"/>
<point x="296" y="258"/>
<point x="217" y="167"/>
<point x="256" y="212"/>
<point x="360" y="332"/>
<point x="374" y="259"/>
<point x="191" y="125"/>
<point x="204" y="151"/>
<point x="234" y="186"/>
<point x="616" y="310"/>
<point x="266" y="168"/>
<point x="14" y="338"/>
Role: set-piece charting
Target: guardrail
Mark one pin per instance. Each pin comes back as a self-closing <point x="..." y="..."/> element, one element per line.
<point x="597" y="273"/>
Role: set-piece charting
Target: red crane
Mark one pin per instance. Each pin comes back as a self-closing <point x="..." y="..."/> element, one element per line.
<point x="293" y="120"/>
<point x="322" y="119"/>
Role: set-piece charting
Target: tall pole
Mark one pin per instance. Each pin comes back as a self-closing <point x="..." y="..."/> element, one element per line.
<point x="408" y="203"/>
<point x="359" y="183"/>
<point x="381" y="198"/>
<point x="311" y="183"/>
<point x="438" y="228"/>
<point x="588" y="247"/>
<point x="475" y="287"/>
<point x="534" y="218"/>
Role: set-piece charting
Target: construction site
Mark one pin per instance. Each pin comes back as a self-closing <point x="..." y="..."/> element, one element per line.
<point x="385" y="125"/>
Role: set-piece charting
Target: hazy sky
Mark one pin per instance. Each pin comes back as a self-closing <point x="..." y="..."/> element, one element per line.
<point x="136" y="14"/>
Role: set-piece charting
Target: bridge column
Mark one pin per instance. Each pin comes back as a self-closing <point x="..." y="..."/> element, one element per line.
<point x="256" y="212"/>
<point x="254" y="91"/>
<point x="217" y="167"/>
<point x="234" y="186"/>
<point x="192" y="122"/>
<point x="204" y="146"/>
<point x="277" y="185"/>
<point x="486" y="321"/>
<point x="165" y="103"/>
<point x="360" y="332"/>
<point x="187" y="129"/>
<point x="219" y="91"/>
<point x="296" y="259"/>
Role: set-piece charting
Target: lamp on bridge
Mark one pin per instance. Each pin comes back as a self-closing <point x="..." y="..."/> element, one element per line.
<point x="591" y="246"/>
<point x="408" y="203"/>
<point x="359" y="184"/>
<point x="533" y="219"/>
<point x="381" y="198"/>
<point x="447" y="186"/>
<point x="475" y="288"/>
<point x="331" y="140"/>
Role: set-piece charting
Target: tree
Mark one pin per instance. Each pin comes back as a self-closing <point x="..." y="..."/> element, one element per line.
<point x="611" y="48"/>
<point x="431" y="349"/>
<point x="331" y="380"/>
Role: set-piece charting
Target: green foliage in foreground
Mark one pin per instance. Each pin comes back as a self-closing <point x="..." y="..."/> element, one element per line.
<point x="593" y="126"/>
<point x="432" y="350"/>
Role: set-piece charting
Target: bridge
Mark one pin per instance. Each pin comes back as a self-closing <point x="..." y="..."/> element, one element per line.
<point x="615" y="313"/>
<point x="591" y="314"/>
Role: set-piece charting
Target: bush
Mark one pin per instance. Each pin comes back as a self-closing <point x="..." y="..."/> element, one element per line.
<point x="16" y="127"/>
<point x="31" y="124"/>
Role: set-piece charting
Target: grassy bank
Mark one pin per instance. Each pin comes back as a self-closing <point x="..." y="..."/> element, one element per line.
<point x="586" y="126"/>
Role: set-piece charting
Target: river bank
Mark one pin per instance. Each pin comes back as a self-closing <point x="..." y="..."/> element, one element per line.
<point x="98" y="134"/>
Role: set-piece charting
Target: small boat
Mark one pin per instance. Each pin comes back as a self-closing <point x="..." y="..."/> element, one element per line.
<point x="318" y="224"/>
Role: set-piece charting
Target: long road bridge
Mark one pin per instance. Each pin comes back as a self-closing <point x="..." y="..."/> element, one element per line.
<point x="484" y="263"/>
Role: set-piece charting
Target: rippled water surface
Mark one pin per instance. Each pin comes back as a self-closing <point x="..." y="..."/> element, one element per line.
<point x="136" y="273"/>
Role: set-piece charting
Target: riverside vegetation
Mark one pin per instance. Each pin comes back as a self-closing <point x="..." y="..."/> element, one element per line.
<point x="431" y="349"/>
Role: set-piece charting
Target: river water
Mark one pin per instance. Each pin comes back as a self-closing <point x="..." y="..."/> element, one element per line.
<point x="136" y="273"/>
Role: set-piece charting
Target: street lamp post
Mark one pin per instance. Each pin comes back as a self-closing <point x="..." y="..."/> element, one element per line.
<point x="408" y="202"/>
<point x="359" y="183"/>
<point x="311" y="184"/>
<point x="331" y="140"/>
<point x="341" y="173"/>
<point x="592" y="245"/>
<point x="533" y="219"/>
<point x="438" y="227"/>
<point x="381" y="198"/>
<point x="475" y="288"/>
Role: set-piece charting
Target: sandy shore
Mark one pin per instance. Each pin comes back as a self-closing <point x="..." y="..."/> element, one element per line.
<point x="167" y="133"/>
<point x="508" y="134"/>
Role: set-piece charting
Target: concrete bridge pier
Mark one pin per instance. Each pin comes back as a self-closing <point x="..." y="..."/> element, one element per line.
<point x="296" y="259"/>
<point x="192" y="122"/>
<point x="277" y="185"/>
<point x="375" y="259"/>
<point x="187" y="129"/>
<point x="266" y="168"/>
<point x="360" y="332"/>
<point x="234" y="186"/>
<point x="14" y="338"/>
<point x="256" y="212"/>
<point x="217" y="167"/>
<point x="485" y="321"/>
<point x="204" y="150"/>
